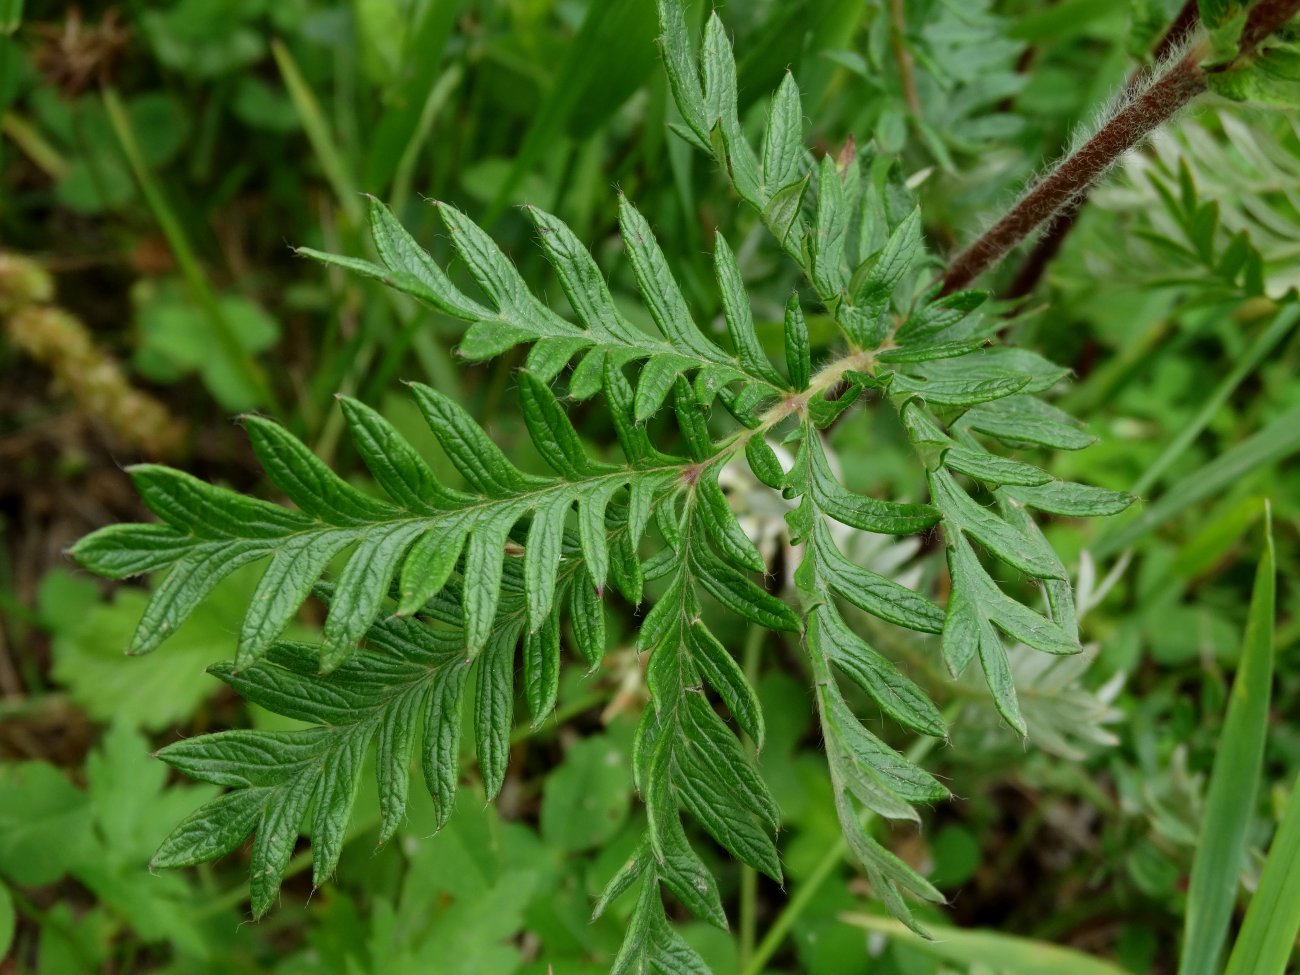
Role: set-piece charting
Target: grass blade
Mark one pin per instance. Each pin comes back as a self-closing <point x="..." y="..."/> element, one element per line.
<point x="186" y="259"/>
<point x="1278" y="440"/>
<point x="318" y="132"/>
<point x="1280" y="328"/>
<point x="1268" y="934"/>
<point x="1234" y="783"/>
<point x="1000" y="952"/>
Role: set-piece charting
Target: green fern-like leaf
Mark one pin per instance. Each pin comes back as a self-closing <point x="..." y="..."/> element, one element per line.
<point x="430" y="583"/>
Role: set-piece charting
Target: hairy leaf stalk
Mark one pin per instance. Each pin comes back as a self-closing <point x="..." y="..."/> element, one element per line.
<point x="1050" y="242"/>
<point x="1157" y="105"/>
<point x="1064" y="186"/>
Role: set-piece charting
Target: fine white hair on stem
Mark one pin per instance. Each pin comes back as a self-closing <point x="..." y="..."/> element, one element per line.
<point x="1127" y="95"/>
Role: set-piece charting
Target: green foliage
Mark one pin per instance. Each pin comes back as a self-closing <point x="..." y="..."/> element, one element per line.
<point x="729" y="449"/>
<point x="1268" y="934"/>
<point x="435" y="588"/>
<point x="1006" y="953"/>
<point x="1236" y="775"/>
<point x="102" y="835"/>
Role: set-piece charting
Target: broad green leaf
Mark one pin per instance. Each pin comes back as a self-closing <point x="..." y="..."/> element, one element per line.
<point x="44" y="824"/>
<point x="587" y="797"/>
<point x="153" y="692"/>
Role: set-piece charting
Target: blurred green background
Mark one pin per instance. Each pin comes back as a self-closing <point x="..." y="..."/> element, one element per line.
<point x="160" y="160"/>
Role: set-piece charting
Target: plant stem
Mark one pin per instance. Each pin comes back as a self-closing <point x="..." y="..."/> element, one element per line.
<point x="318" y="132"/>
<point x="906" y="66"/>
<point x="1149" y="109"/>
<point x="1264" y="18"/>
<point x="1168" y="95"/>
<point x="797" y="904"/>
<point x="240" y="360"/>
<point x="748" y="875"/>
<point x="34" y="145"/>
<point x="1049" y="244"/>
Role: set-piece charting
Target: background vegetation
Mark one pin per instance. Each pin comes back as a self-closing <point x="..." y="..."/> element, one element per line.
<point x="159" y="159"/>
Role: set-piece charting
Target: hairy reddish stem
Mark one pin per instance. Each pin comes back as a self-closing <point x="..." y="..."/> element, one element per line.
<point x="1050" y="242"/>
<point x="1163" y="99"/>
<point x="906" y="67"/>
<point x="1159" y="103"/>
